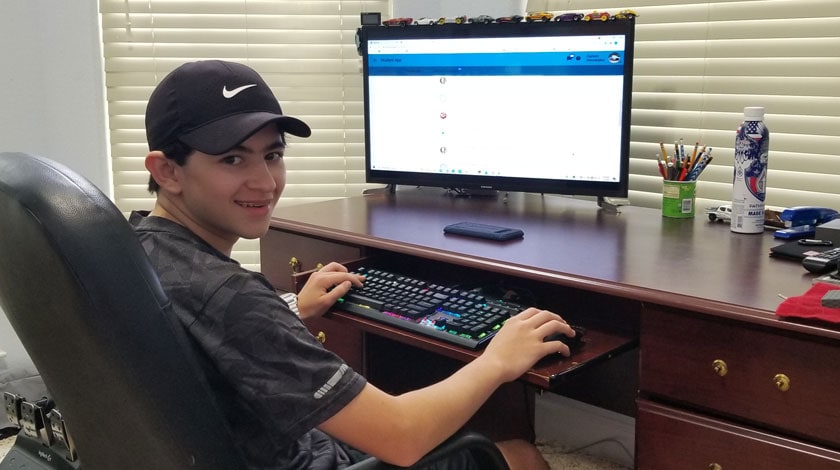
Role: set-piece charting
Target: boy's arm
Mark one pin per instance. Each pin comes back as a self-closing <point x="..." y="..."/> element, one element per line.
<point x="401" y="429"/>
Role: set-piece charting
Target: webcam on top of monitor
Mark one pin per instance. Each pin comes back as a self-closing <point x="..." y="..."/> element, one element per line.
<point x="370" y="18"/>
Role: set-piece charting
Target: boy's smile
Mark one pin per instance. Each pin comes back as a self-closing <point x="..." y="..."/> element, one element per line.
<point x="222" y="198"/>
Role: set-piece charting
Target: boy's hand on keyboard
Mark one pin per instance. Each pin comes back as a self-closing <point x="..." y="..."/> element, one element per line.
<point x="324" y="287"/>
<point x="519" y="344"/>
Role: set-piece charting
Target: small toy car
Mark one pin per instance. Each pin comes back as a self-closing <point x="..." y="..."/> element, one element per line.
<point x="425" y="20"/>
<point x="569" y="17"/>
<point x="625" y="15"/>
<point x="509" y="19"/>
<point x="398" y="22"/>
<point x="485" y="19"/>
<point x="456" y="20"/>
<point x="596" y="15"/>
<point x="722" y="213"/>
<point x="539" y="16"/>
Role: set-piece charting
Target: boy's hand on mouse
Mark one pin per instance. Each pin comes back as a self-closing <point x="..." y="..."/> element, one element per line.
<point x="520" y="343"/>
<point x="323" y="289"/>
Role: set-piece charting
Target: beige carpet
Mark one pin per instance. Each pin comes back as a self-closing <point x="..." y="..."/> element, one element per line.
<point x="5" y="445"/>
<point x="557" y="458"/>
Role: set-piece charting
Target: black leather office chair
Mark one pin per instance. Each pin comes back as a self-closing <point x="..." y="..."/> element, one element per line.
<point x="87" y="305"/>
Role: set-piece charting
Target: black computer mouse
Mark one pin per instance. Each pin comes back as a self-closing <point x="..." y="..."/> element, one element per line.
<point x="574" y="343"/>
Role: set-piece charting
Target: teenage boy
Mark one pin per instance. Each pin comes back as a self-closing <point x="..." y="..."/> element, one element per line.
<point x="216" y="135"/>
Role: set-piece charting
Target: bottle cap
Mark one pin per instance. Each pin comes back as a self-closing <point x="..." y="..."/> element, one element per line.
<point x="754" y="113"/>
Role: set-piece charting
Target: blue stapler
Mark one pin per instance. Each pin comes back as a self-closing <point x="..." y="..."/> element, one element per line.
<point x="802" y="221"/>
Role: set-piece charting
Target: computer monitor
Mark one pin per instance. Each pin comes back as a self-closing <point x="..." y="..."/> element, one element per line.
<point x="531" y="107"/>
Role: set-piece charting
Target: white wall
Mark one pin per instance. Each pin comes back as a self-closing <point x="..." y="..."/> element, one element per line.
<point x="52" y="85"/>
<point x="52" y="90"/>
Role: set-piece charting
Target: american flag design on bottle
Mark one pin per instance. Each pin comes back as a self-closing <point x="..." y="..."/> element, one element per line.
<point x="749" y="183"/>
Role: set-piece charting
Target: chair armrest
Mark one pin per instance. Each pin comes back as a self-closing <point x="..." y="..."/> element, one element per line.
<point x="485" y="452"/>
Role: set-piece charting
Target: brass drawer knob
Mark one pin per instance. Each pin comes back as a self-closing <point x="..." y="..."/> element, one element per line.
<point x="720" y="368"/>
<point x="715" y="466"/>
<point x="319" y="265"/>
<point x="295" y="264"/>
<point x="321" y="337"/>
<point x="782" y="382"/>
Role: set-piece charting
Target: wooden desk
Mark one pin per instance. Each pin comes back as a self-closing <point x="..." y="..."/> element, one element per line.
<point x="699" y="298"/>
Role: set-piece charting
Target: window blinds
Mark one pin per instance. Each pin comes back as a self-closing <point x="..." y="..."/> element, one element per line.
<point x="698" y="64"/>
<point x="305" y="50"/>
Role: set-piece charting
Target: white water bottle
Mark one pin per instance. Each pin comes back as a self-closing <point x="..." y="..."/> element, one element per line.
<point x="749" y="182"/>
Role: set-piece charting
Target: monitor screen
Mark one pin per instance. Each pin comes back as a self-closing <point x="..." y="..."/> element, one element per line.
<point x="532" y="107"/>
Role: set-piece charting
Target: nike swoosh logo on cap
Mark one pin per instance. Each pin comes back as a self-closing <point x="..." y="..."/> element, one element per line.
<point x="231" y="93"/>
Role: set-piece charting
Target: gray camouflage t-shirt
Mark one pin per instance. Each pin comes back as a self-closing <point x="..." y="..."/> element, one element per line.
<point x="273" y="380"/>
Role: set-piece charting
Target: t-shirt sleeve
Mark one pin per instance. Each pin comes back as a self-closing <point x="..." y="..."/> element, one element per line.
<point x="270" y="357"/>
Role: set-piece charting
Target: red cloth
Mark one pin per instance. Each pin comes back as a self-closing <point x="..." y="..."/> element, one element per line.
<point x="808" y="304"/>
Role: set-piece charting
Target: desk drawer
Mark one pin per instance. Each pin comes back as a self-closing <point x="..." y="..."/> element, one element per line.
<point x="670" y="439"/>
<point x="783" y="382"/>
<point x="344" y="340"/>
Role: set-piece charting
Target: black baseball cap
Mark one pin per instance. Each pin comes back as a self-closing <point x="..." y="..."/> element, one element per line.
<point x="213" y="106"/>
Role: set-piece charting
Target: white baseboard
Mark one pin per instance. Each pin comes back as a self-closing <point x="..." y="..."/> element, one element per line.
<point x="578" y="426"/>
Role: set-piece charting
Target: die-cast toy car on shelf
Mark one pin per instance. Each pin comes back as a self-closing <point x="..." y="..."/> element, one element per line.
<point x="539" y="16"/>
<point x="398" y="22"/>
<point x="456" y="20"/>
<point x="625" y="15"/>
<point x="485" y="19"/>
<point x="425" y="20"/>
<point x="597" y="15"/>
<point x="569" y="17"/>
<point x="509" y="19"/>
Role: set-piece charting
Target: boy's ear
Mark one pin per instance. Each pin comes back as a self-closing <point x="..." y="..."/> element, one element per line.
<point x="164" y="171"/>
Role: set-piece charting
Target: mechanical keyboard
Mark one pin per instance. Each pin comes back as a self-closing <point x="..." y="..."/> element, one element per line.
<point x="460" y="317"/>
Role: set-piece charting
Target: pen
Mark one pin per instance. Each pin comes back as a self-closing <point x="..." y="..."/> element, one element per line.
<point x="695" y="173"/>
<point x="683" y="173"/>
<point x="693" y="160"/>
<point x="698" y="167"/>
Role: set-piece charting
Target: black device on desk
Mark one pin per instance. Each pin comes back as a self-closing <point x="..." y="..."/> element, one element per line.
<point x="797" y="250"/>
<point x="489" y="232"/>
<point x="462" y="317"/>
<point x="824" y="262"/>
<point x="817" y="256"/>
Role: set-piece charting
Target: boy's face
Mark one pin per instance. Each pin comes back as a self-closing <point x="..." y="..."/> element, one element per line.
<point x="232" y="195"/>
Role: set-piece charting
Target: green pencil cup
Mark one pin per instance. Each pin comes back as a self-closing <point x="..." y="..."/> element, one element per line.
<point x="678" y="198"/>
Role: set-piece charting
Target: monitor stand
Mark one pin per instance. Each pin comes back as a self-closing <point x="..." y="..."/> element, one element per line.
<point x="472" y="192"/>
<point x="612" y="205"/>
<point x="389" y="189"/>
